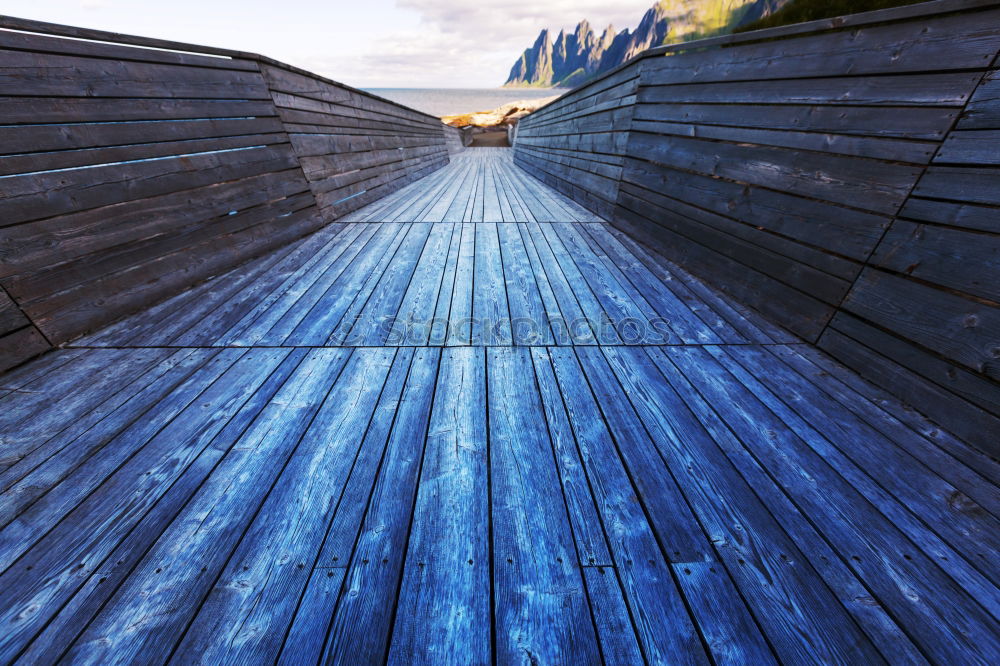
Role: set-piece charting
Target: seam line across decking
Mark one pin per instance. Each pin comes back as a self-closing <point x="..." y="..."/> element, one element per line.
<point x="473" y="423"/>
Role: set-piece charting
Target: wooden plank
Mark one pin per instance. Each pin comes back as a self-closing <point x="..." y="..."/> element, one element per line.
<point x="908" y="420"/>
<point x="968" y="480"/>
<point x="983" y="110"/>
<point x="872" y="185"/>
<point x="674" y="315"/>
<point x="438" y="334"/>
<point x="81" y="189"/>
<point x="17" y="379"/>
<point x="304" y="644"/>
<point x="672" y="234"/>
<point x="275" y="319"/>
<point x="770" y="509"/>
<point x="249" y="608"/>
<point x="362" y="624"/>
<point x="864" y="535"/>
<point x="706" y="312"/>
<point x="626" y="308"/>
<point x="40" y="43"/>
<point x="56" y="110"/>
<point x="665" y="630"/>
<point x="958" y="41"/>
<point x="161" y="591"/>
<point x="55" y="240"/>
<point x="562" y="331"/>
<point x="101" y="584"/>
<point x="83" y="134"/>
<point x="529" y="321"/>
<point x="221" y="388"/>
<point x="945" y="391"/>
<point x="463" y="297"/>
<point x="70" y="313"/>
<point x="561" y="262"/>
<point x="102" y="374"/>
<point x="411" y="323"/>
<point x="966" y="262"/>
<point x="376" y="320"/>
<point x="343" y="530"/>
<point x="46" y="283"/>
<point x="90" y="34"/>
<point x="964" y="525"/>
<point x="540" y="605"/>
<point x="917" y="123"/>
<point x="340" y="300"/>
<point x="53" y="459"/>
<point x="965" y="184"/>
<point x="55" y="75"/>
<point x="924" y="89"/>
<point x="21" y="345"/>
<point x="722" y="616"/>
<point x="958" y="328"/>
<point x="491" y="320"/>
<point x="443" y="613"/>
<point x="148" y="325"/>
<point x="588" y="530"/>
<point x="611" y="616"/>
<point x="264" y="289"/>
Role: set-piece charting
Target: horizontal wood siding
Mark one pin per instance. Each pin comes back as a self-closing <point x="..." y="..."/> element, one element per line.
<point x="842" y="177"/>
<point x="577" y="143"/>
<point x="928" y="305"/>
<point x="19" y="339"/>
<point x="353" y="147"/>
<point x="129" y="173"/>
<point x="453" y="140"/>
<point x="772" y="169"/>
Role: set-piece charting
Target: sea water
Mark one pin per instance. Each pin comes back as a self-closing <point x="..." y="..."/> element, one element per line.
<point x="453" y="101"/>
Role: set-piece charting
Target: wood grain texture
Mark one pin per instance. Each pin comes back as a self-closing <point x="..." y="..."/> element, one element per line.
<point x="823" y="170"/>
<point x="470" y="422"/>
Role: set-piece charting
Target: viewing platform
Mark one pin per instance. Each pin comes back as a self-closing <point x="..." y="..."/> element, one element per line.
<point x="305" y="381"/>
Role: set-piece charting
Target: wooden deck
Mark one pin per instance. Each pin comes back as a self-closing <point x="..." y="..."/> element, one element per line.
<point x="473" y="423"/>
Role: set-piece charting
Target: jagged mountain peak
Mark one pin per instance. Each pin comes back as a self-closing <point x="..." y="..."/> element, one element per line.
<point x="581" y="55"/>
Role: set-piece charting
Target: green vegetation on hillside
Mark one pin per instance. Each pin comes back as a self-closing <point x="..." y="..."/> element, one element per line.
<point x="799" y="11"/>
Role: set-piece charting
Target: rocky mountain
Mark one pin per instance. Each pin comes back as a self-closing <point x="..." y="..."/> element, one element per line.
<point x="575" y="57"/>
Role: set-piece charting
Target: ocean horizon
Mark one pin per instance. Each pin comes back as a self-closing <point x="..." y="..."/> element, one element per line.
<point x="452" y="101"/>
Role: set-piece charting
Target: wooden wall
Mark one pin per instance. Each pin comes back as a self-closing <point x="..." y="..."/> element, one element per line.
<point x="454" y="139"/>
<point x="841" y="177"/>
<point x="775" y="167"/>
<point x="577" y="143"/>
<point x="129" y="172"/>
<point x="353" y="147"/>
<point x="927" y="305"/>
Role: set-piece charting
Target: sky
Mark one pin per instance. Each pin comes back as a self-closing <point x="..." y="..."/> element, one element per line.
<point x="364" y="43"/>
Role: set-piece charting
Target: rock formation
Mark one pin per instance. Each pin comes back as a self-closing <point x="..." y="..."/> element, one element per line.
<point x="581" y="55"/>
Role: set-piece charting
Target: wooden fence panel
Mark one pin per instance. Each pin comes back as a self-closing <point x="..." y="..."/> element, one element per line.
<point x="577" y="143"/>
<point x="353" y="147"/>
<point x="724" y="153"/>
<point x="131" y="169"/>
<point x="842" y="177"/>
<point x="929" y="302"/>
<point x="130" y="173"/>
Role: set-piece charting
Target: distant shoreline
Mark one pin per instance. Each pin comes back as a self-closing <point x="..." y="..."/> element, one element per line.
<point x="506" y="114"/>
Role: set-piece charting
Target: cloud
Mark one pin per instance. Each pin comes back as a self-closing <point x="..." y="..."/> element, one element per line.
<point x="94" y="4"/>
<point x="474" y="43"/>
<point x="504" y="20"/>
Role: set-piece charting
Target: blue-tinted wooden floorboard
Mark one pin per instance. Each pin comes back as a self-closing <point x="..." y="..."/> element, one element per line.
<point x="474" y="424"/>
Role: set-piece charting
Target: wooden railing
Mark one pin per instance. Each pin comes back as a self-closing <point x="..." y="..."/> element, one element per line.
<point x="132" y="168"/>
<point x="840" y="176"/>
